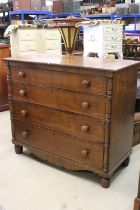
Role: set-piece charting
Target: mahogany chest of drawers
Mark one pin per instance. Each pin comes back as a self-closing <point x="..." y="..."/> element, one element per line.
<point x="75" y="112"/>
<point x="4" y="52"/>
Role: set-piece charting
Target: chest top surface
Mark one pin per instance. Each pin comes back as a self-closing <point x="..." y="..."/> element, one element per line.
<point x="77" y="61"/>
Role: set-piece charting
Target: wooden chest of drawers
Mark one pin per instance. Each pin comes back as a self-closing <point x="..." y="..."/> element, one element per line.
<point x="74" y="112"/>
<point x="4" y="52"/>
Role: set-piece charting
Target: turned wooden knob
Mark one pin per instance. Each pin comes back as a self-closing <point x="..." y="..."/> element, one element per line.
<point x="85" y="105"/>
<point x="25" y="134"/>
<point x="21" y="74"/>
<point x="22" y="92"/>
<point x="85" y="83"/>
<point x="24" y="113"/>
<point x="84" y="153"/>
<point x="85" y="128"/>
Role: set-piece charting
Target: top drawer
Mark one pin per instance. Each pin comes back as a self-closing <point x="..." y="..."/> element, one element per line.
<point x="113" y="29"/>
<point x="65" y="80"/>
<point x="26" y="34"/>
<point x="52" y="34"/>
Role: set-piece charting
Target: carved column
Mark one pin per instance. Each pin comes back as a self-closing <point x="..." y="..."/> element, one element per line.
<point x="108" y="122"/>
<point x="10" y="100"/>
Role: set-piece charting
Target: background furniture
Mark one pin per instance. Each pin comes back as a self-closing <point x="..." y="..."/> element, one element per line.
<point x="133" y="18"/>
<point x="27" y="4"/>
<point x="103" y="39"/>
<point x="132" y="51"/>
<point x="4" y="20"/>
<point x="58" y="7"/>
<point x="21" y="4"/>
<point x="137" y="200"/>
<point x="4" y="52"/>
<point x="136" y="137"/>
<point x="36" y="5"/>
<point x="33" y="41"/>
<point x="76" y="112"/>
<point x="71" y="6"/>
<point x="23" y="13"/>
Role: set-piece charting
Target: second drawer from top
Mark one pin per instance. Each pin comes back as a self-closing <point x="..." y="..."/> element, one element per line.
<point x="72" y="101"/>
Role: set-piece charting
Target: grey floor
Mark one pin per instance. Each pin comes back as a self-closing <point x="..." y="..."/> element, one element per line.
<point x="29" y="184"/>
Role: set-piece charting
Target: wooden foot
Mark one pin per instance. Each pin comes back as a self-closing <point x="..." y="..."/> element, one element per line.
<point x="126" y="162"/>
<point x="18" y="149"/>
<point x="137" y="204"/>
<point x="105" y="182"/>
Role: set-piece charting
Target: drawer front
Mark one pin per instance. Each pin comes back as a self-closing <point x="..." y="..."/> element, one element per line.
<point x="22" y="53"/>
<point x="27" y="45"/>
<point x="16" y="5"/>
<point x="54" y="52"/>
<point x="113" y="29"/>
<point x="71" y="81"/>
<point x="88" y="128"/>
<point x="53" y="44"/>
<point x="58" y="6"/>
<point x="59" y="144"/>
<point x="87" y="104"/>
<point x="21" y="5"/>
<point x="112" y="48"/>
<point x="113" y="39"/>
<point x="27" y="35"/>
<point x="36" y="4"/>
<point x="53" y="34"/>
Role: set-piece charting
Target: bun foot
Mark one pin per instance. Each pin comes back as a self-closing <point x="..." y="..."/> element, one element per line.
<point x="137" y="204"/>
<point x="18" y="149"/>
<point x="126" y="162"/>
<point x="105" y="183"/>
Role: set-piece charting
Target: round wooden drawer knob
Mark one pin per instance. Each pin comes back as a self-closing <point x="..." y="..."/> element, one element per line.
<point x="24" y="113"/>
<point x="84" y="153"/>
<point x="25" y="134"/>
<point x="21" y="74"/>
<point x="85" y="128"/>
<point x="22" y="92"/>
<point x="85" y="105"/>
<point x="85" y="83"/>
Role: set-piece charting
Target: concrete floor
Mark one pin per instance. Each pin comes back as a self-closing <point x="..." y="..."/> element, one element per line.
<point x="29" y="184"/>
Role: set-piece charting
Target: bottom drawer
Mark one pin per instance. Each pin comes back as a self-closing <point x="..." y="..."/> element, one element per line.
<point x="65" y="146"/>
